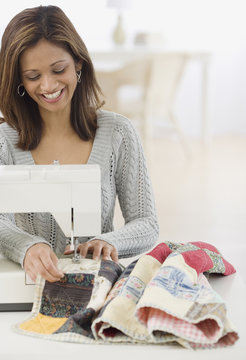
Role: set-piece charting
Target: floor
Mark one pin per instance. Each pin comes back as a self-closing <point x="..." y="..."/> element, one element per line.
<point x="201" y="196"/>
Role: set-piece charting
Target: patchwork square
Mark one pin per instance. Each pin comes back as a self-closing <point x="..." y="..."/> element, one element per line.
<point x="133" y="288"/>
<point x="67" y="296"/>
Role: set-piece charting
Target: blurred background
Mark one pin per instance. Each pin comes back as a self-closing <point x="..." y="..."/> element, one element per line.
<point x="177" y="69"/>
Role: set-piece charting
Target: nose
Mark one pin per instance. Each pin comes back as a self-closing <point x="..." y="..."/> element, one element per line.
<point x="48" y="84"/>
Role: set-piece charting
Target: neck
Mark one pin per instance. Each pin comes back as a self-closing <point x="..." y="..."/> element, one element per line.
<point x="57" y="124"/>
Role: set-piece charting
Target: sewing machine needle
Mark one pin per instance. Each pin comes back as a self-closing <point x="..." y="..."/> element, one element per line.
<point x="74" y="241"/>
<point x="72" y="231"/>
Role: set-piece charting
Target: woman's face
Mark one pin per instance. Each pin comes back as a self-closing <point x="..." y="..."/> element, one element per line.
<point x="49" y="76"/>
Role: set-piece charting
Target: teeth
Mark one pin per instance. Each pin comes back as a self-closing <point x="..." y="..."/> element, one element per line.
<point x="52" y="96"/>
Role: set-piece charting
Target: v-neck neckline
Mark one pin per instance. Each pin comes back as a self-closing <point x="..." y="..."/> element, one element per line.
<point x="89" y="161"/>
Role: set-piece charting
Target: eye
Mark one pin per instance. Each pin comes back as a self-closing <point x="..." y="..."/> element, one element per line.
<point x="33" y="78"/>
<point x="58" y="71"/>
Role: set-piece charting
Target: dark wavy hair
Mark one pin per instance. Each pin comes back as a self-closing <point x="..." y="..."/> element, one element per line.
<point x="22" y="113"/>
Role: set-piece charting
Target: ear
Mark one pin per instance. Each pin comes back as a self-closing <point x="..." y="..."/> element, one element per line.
<point x="78" y="65"/>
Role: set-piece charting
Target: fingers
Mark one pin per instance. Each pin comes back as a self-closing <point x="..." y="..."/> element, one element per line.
<point x="83" y="249"/>
<point x="50" y="265"/>
<point x="40" y="259"/>
<point x="47" y="270"/>
<point x="106" y="252"/>
<point x="32" y="275"/>
<point x="68" y="250"/>
<point x="98" y="248"/>
<point x="114" y="255"/>
<point x="54" y="258"/>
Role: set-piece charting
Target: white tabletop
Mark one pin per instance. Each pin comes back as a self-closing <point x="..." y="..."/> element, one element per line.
<point x="231" y="288"/>
<point x="109" y="59"/>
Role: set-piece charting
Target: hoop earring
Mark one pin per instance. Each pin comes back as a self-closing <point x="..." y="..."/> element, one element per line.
<point x="18" y="90"/>
<point x="78" y="76"/>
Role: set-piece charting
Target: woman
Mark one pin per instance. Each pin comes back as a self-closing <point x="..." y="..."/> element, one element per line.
<point x="50" y="102"/>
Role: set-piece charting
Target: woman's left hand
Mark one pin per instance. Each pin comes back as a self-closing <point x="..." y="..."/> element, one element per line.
<point x="97" y="248"/>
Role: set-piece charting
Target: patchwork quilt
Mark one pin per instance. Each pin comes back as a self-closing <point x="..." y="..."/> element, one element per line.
<point x="163" y="297"/>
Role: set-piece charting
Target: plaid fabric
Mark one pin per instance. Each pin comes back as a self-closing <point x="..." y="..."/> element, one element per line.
<point x="162" y="297"/>
<point x="157" y="321"/>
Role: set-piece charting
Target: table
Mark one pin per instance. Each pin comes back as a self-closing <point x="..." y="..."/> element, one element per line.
<point x="231" y="288"/>
<point x="112" y="58"/>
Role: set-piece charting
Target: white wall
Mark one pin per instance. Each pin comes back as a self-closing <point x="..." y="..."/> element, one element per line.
<point x="215" y="25"/>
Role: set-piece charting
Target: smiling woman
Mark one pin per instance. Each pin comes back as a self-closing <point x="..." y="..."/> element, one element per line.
<point x="20" y="39"/>
<point x="50" y="101"/>
<point x="48" y="74"/>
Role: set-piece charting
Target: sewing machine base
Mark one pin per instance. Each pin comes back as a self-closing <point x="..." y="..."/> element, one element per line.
<point x="17" y="291"/>
<point x="16" y="307"/>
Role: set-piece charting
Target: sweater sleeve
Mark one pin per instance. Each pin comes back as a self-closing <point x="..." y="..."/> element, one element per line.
<point x="135" y="195"/>
<point x="14" y="242"/>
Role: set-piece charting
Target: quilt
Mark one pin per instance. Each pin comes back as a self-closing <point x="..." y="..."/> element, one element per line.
<point x="162" y="297"/>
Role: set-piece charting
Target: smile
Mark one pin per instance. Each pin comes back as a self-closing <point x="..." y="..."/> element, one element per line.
<point x="54" y="95"/>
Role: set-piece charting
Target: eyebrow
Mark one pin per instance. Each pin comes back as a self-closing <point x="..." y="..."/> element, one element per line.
<point x="56" y="62"/>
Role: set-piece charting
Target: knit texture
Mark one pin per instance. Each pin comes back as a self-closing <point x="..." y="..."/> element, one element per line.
<point x="118" y="151"/>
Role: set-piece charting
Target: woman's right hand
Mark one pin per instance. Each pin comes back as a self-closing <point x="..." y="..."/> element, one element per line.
<point x="40" y="259"/>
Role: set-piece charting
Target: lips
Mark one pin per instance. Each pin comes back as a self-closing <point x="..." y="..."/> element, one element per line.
<point x="53" y="97"/>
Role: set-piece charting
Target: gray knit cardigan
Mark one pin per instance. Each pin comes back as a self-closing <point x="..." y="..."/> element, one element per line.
<point x="118" y="151"/>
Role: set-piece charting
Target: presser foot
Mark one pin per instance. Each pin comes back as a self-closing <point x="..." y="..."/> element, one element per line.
<point x="76" y="258"/>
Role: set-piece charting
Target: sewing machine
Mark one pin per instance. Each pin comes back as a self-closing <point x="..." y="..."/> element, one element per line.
<point x="72" y="193"/>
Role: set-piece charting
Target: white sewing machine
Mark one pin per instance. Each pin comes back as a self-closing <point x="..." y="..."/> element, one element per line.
<point x="72" y="193"/>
